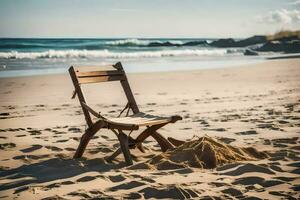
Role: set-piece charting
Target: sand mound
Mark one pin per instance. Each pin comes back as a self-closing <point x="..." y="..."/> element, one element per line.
<point x="204" y="152"/>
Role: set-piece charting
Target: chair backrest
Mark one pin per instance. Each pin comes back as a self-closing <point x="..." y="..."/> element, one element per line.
<point x="86" y="77"/>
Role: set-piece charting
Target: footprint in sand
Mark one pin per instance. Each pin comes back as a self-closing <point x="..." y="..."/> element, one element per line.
<point x="281" y="194"/>
<point x="186" y="128"/>
<point x="86" y="179"/>
<point x="27" y="158"/>
<point x="59" y="132"/>
<point x="217" y="129"/>
<point x="95" y="137"/>
<point x="294" y="164"/>
<point x="99" y="149"/>
<point x="127" y="186"/>
<point x="80" y="194"/>
<point x="151" y="104"/>
<point x="95" y="192"/>
<point x="104" y="137"/>
<point x="183" y="171"/>
<point x="53" y="148"/>
<point x="40" y="105"/>
<point x="296" y="188"/>
<point x="246" y="168"/>
<point x="4" y="114"/>
<point x="32" y="148"/>
<point x="297" y="148"/>
<point x="251" y="132"/>
<point x="69" y="149"/>
<point x="250" y="180"/>
<point x="270" y="183"/>
<point x="133" y="195"/>
<point x="148" y="111"/>
<point x="117" y="178"/>
<point x="232" y="192"/>
<point x="145" y="179"/>
<point x="76" y="138"/>
<point x="226" y="140"/>
<point x="292" y="140"/>
<point x="296" y="171"/>
<point x="219" y="184"/>
<point x="5" y="146"/>
<point x="35" y="132"/>
<point x="286" y="179"/>
<point x="67" y="183"/>
<point x="269" y="126"/>
<point x="169" y="192"/>
<point x="74" y="130"/>
<point x="61" y="141"/>
<point x="20" y="135"/>
<point x="275" y="168"/>
<point x="51" y="186"/>
<point x="56" y="197"/>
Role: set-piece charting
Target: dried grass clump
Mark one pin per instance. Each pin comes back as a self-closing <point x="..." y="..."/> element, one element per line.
<point x="283" y="34"/>
<point x="204" y="152"/>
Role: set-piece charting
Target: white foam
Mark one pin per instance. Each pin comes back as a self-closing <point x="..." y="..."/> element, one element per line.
<point x="140" y="42"/>
<point x="109" y="54"/>
<point x="128" y="42"/>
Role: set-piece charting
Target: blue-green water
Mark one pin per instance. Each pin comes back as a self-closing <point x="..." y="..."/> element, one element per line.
<point x="21" y="57"/>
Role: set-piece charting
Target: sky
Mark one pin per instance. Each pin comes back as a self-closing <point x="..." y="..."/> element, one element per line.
<point x="147" y="18"/>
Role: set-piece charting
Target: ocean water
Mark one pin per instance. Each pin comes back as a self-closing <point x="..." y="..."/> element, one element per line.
<point x="23" y="57"/>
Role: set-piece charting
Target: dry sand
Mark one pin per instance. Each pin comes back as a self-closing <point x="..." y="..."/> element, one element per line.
<point x="251" y="106"/>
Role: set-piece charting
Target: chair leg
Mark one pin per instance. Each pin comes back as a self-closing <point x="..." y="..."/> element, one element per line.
<point x="131" y="145"/>
<point x="152" y="131"/>
<point x="124" y="147"/>
<point x="162" y="141"/>
<point x="114" y="155"/>
<point x="82" y="145"/>
<point x="89" y="133"/>
<point x="140" y="147"/>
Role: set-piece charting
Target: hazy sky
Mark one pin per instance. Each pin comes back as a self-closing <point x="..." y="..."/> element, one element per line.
<point x="146" y="18"/>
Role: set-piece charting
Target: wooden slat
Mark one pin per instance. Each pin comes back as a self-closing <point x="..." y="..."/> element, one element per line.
<point x="97" y="79"/>
<point x="141" y="122"/>
<point x="127" y="89"/>
<point x="128" y="127"/>
<point x="80" y="95"/>
<point x="98" y="73"/>
<point x="141" y="119"/>
<point x="95" y="66"/>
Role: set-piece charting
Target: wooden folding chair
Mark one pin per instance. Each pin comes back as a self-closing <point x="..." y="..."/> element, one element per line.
<point x="119" y="124"/>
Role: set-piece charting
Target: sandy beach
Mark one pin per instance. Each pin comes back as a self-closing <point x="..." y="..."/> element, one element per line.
<point x="247" y="106"/>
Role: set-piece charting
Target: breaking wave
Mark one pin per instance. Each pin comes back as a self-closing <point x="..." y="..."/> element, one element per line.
<point x="143" y="42"/>
<point x="109" y="54"/>
<point x="128" y="42"/>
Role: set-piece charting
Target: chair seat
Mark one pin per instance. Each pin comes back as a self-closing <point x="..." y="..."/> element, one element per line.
<point x="140" y="119"/>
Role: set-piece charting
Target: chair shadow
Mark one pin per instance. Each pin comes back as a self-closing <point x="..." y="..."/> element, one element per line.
<point x="53" y="169"/>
